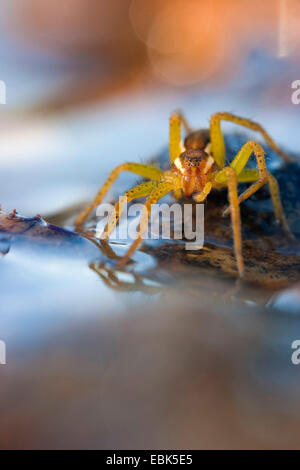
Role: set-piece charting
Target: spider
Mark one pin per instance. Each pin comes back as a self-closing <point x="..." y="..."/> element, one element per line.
<point x="197" y="167"/>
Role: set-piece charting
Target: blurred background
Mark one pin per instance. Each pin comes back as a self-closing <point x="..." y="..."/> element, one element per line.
<point x="90" y="84"/>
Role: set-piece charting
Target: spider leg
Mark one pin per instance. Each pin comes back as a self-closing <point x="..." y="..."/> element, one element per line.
<point x="174" y="137"/>
<point x="177" y="193"/>
<point x="147" y="171"/>
<point x="200" y="197"/>
<point x="217" y="140"/>
<point x="248" y="175"/>
<point x="183" y="120"/>
<point x="161" y="190"/>
<point x="232" y="183"/>
<point x="240" y="161"/>
<point x="278" y="209"/>
<point x="259" y="178"/>
<point x="138" y="191"/>
<point x="176" y="119"/>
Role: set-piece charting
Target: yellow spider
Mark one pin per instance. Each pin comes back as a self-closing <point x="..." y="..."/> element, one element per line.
<point x="198" y="166"/>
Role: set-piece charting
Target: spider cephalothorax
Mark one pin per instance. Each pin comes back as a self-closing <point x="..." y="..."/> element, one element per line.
<point x="195" y="170"/>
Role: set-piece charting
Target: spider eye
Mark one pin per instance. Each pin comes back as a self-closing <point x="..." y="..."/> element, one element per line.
<point x="193" y="157"/>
